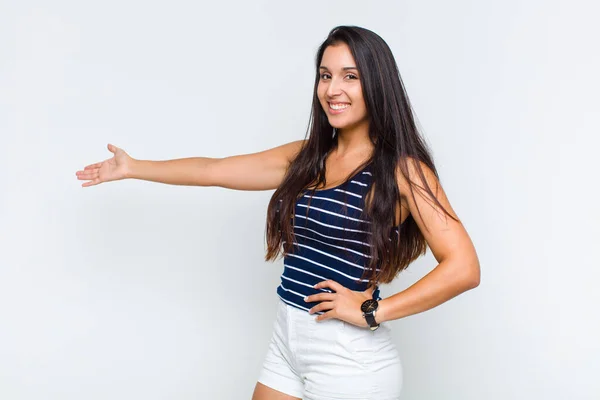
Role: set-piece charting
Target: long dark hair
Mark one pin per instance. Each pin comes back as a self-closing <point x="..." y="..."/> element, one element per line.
<point x="396" y="140"/>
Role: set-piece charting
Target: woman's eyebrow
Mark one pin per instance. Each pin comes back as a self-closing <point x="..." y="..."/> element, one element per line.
<point x="345" y="68"/>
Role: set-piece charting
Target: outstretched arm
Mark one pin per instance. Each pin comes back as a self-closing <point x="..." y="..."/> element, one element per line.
<point x="256" y="171"/>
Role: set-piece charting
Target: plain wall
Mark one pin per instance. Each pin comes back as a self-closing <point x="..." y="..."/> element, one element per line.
<point x="136" y="290"/>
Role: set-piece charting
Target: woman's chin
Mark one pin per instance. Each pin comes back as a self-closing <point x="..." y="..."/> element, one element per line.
<point x="339" y="123"/>
<point x="336" y="123"/>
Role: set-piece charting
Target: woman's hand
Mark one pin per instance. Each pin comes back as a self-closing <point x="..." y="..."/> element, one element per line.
<point x="112" y="169"/>
<point x="344" y="304"/>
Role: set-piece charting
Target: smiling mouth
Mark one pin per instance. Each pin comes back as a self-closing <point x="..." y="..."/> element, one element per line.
<point x="338" y="106"/>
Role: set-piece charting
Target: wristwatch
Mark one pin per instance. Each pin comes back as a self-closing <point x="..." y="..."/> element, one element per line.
<point x="368" y="308"/>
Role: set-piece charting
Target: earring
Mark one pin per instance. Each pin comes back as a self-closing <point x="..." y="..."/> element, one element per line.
<point x="334" y="132"/>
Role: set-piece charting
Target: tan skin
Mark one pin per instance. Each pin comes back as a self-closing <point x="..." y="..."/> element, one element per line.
<point x="458" y="268"/>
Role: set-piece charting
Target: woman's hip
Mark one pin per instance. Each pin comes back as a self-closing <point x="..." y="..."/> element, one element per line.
<point x="335" y="358"/>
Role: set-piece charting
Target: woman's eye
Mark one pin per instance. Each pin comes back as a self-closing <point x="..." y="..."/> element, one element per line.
<point x="326" y="76"/>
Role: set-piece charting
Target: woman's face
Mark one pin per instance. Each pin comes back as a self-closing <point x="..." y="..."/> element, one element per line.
<point x="339" y="89"/>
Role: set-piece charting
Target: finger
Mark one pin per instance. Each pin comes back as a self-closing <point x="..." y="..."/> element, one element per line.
<point x="91" y="183"/>
<point x="330" y="284"/>
<point x="87" y="171"/>
<point x="86" y="176"/>
<point x="112" y="148"/>
<point x="320" y="297"/>
<point x="95" y="165"/>
<point x="326" y="305"/>
<point x="328" y="315"/>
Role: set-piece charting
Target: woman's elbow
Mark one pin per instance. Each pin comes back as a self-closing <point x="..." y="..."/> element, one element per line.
<point x="473" y="276"/>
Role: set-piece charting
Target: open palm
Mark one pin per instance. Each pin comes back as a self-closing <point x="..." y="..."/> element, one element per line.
<point x="112" y="169"/>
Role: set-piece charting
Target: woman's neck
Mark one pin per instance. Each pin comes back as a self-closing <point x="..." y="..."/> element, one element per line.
<point x="353" y="142"/>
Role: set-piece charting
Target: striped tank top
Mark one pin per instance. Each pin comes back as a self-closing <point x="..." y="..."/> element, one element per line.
<point x="332" y="241"/>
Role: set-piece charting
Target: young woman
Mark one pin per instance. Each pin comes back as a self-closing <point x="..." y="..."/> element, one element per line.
<point x="354" y="205"/>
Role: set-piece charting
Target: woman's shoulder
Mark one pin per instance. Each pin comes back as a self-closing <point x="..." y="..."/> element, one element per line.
<point x="293" y="148"/>
<point x="415" y="171"/>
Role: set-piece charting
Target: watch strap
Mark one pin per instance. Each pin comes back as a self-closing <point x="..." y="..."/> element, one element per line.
<point x="371" y="321"/>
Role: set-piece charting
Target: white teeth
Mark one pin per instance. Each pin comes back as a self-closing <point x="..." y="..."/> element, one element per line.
<point x="338" y="106"/>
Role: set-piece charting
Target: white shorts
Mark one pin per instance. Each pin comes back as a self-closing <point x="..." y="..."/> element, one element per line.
<point x="330" y="359"/>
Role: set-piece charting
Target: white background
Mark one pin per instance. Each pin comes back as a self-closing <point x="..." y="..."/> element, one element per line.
<point x="137" y="290"/>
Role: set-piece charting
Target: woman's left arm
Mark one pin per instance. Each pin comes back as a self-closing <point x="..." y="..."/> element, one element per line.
<point x="458" y="265"/>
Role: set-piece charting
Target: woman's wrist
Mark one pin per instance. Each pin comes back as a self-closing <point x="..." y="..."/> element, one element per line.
<point x="380" y="314"/>
<point x="131" y="169"/>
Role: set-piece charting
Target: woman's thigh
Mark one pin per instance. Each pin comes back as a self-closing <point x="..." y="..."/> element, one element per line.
<point x="262" y="392"/>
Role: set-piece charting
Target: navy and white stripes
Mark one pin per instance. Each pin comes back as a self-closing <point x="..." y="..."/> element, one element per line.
<point x="332" y="241"/>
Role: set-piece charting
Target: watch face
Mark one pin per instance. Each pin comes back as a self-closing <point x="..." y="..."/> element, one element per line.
<point x="369" y="306"/>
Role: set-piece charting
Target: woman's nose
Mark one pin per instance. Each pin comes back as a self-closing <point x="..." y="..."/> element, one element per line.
<point x="334" y="88"/>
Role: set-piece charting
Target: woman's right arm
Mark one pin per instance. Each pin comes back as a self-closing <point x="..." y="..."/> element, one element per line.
<point x="264" y="170"/>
